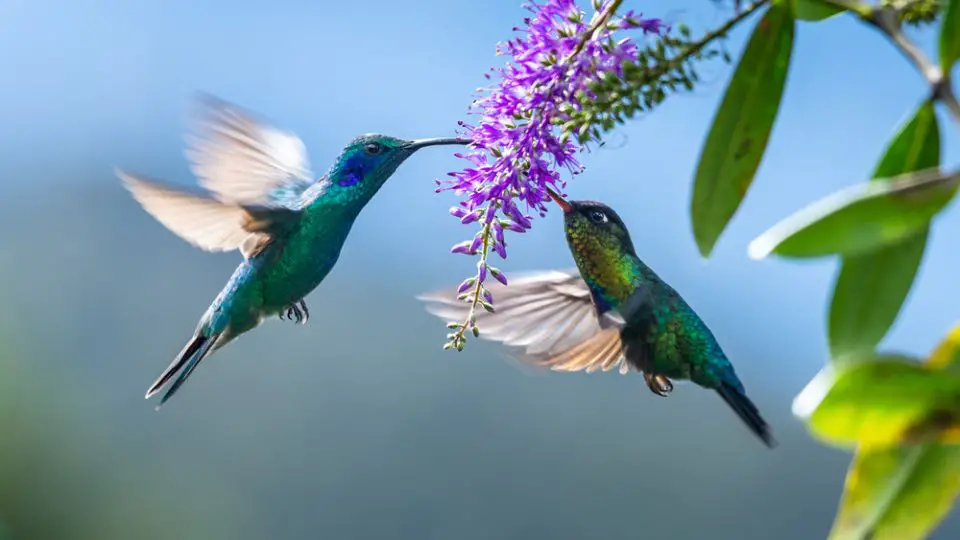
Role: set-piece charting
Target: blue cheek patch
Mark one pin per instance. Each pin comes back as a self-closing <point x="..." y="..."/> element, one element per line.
<point x="352" y="173"/>
<point x="349" y="179"/>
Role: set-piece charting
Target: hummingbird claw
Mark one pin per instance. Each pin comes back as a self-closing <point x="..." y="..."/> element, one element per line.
<point x="306" y="312"/>
<point x="658" y="384"/>
<point x="297" y="312"/>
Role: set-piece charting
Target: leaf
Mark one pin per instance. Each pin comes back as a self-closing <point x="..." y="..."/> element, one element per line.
<point x="898" y="493"/>
<point x="871" y="287"/>
<point x="902" y="492"/>
<point x="861" y="218"/>
<point x="868" y="294"/>
<point x="879" y="402"/>
<point x="950" y="37"/>
<point x="916" y="146"/>
<point x="947" y="354"/>
<point x="741" y="127"/>
<point x="816" y="10"/>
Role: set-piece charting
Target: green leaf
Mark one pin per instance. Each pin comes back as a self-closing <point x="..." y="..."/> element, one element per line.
<point x="868" y="294"/>
<point x="950" y="37"/>
<point x="861" y="218"/>
<point x="916" y="146"/>
<point x="816" y="10"/>
<point x="741" y="127"/>
<point x="880" y="402"/>
<point x="902" y="492"/>
<point x="871" y="287"/>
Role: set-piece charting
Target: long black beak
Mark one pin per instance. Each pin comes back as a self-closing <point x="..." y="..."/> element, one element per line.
<point x="564" y="205"/>
<point x="423" y="143"/>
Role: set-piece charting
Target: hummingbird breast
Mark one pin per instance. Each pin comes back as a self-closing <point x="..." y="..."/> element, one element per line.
<point x="292" y="267"/>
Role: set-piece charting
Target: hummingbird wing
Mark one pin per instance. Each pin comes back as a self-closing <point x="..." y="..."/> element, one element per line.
<point x="242" y="160"/>
<point x="550" y="316"/>
<point x="204" y="222"/>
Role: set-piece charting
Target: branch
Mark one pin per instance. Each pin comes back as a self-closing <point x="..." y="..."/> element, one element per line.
<point x="887" y="20"/>
<point x="709" y="37"/>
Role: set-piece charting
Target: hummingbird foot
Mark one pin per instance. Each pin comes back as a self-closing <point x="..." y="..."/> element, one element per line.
<point x="297" y="311"/>
<point x="658" y="384"/>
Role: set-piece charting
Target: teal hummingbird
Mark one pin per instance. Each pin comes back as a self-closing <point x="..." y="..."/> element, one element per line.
<point x="264" y="201"/>
<point x="613" y="312"/>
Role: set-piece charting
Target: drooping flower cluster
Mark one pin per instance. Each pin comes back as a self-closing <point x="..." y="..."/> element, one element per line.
<point x="525" y="135"/>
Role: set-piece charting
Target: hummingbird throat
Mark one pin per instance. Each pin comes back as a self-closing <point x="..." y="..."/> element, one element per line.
<point x="610" y="273"/>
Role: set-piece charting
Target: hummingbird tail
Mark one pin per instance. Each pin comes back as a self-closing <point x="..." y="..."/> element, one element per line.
<point x="747" y="411"/>
<point x="189" y="358"/>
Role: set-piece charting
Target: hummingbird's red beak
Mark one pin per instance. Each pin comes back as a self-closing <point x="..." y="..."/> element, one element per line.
<point x="564" y="205"/>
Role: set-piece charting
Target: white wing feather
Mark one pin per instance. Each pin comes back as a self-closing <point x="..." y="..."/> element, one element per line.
<point x="549" y="315"/>
<point x="245" y="161"/>
<point x="203" y="222"/>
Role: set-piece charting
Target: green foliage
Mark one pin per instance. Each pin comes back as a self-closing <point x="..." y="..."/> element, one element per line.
<point x="816" y="10"/>
<point x="858" y="219"/>
<point x="738" y="138"/>
<point x="881" y="401"/>
<point x="898" y="493"/>
<point x="868" y="294"/>
<point x="871" y="287"/>
<point x="917" y="12"/>
<point x="900" y="414"/>
<point x="902" y="492"/>
<point x="950" y="37"/>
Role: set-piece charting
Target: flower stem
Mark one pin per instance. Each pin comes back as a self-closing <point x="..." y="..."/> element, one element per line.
<point x="458" y="339"/>
<point x="600" y="22"/>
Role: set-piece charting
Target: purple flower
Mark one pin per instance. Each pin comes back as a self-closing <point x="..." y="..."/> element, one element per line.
<point x="519" y="149"/>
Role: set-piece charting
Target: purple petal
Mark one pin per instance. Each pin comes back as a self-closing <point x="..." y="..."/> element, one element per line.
<point x="462" y="247"/>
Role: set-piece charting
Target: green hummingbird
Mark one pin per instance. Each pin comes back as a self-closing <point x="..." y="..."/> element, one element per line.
<point x="264" y="201"/>
<point x="613" y="312"/>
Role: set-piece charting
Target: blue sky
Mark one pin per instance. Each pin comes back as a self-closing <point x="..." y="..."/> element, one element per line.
<point x="103" y="83"/>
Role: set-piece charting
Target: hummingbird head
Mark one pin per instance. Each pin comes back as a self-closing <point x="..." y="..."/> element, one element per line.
<point x="593" y="229"/>
<point x="369" y="160"/>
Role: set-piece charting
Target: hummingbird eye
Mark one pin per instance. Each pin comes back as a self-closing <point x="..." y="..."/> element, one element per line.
<point x="373" y="148"/>
<point x="597" y="216"/>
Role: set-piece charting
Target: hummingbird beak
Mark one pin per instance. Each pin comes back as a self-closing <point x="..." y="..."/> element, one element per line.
<point x="422" y="143"/>
<point x="564" y="205"/>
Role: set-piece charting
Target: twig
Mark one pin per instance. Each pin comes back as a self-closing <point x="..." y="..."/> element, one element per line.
<point x="887" y="20"/>
<point x="707" y="38"/>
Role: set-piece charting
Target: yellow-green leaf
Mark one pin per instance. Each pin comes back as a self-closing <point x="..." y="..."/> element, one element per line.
<point x="898" y="493"/>
<point x="947" y="354"/>
<point x="950" y="37"/>
<point x="880" y="402"/>
<point x="816" y="10"/>
<point x="902" y="493"/>
<point x="734" y="148"/>
<point x="871" y="287"/>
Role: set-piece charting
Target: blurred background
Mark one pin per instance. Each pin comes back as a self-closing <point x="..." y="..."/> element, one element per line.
<point x="358" y="425"/>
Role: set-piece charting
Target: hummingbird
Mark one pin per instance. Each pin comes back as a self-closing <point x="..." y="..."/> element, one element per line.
<point x="263" y="200"/>
<point x="612" y="312"/>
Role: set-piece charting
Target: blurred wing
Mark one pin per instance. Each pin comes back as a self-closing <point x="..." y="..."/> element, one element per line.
<point x="549" y="315"/>
<point x="203" y="222"/>
<point x="243" y="160"/>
